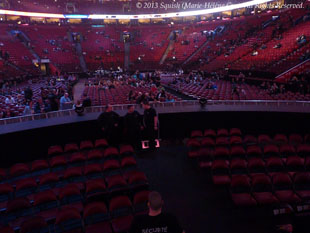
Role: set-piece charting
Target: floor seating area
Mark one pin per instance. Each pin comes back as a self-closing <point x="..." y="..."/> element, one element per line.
<point x="80" y="187"/>
<point x="258" y="169"/>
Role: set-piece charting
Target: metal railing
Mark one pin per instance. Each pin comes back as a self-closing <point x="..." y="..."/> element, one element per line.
<point x="186" y="103"/>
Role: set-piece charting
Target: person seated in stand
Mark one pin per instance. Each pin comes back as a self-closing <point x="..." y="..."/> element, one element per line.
<point x="155" y="220"/>
<point x="10" y="100"/>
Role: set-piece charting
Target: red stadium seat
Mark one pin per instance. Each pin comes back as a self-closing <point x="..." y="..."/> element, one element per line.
<point x="92" y="168"/>
<point x="302" y="185"/>
<point x="250" y="139"/>
<point x="235" y="131"/>
<point x="196" y="134"/>
<point x="284" y="188"/>
<point x="222" y="132"/>
<point x="52" y="150"/>
<point x="140" y="200"/>
<point x="221" y="153"/>
<point x="111" y="151"/>
<point x="280" y="138"/>
<point x="263" y="138"/>
<point x="207" y="142"/>
<point x="256" y="166"/>
<point x="295" y="139"/>
<point x="238" y="166"/>
<point x="220" y="172"/>
<point x="126" y="149"/>
<point x="237" y="152"/>
<point x="254" y="151"/>
<point x="86" y="145"/>
<point x="19" y="169"/>
<point x="101" y="143"/>
<point x="241" y="191"/>
<point x="94" y="154"/>
<point x="77" y="157"/>
<point x="39" y="165"/>
<point x="262" y="190"/>
<point x="68" y="220"/>
<point x="128" y="161"/>
<point x="209" y="133"/>
<point x="71" y="147"/>
<point x="96" y="218"/>
<point x="34" y="224"/>
<point x="58" y="161"/>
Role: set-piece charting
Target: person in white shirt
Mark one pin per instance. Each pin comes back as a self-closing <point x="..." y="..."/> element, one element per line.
<point x="9" y="100"/>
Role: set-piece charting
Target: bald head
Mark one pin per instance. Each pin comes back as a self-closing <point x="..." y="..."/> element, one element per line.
<point x="155" y="201"/>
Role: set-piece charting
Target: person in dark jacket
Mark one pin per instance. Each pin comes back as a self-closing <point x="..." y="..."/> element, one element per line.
<point x="132" y="127"/>
<point x="150" y="123"/>
<point x="109" y="125"/>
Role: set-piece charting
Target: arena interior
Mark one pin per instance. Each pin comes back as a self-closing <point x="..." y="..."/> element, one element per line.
<point x="104" y="101"/>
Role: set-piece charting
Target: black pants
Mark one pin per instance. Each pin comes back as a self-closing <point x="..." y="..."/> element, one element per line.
<point x="151" y="136"/>
<point x="133" y="137"/>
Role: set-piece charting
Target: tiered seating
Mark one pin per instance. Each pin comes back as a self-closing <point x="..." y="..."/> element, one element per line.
<point x="149" y="44"/>
<point x="52" y="42"/>
<point x="300" y="69"/>
<point x="89" y="187"/>
<point x="260" y="170"/>
<point x="270" y="54"/>
<point x="18" y="53"/>
<point x="102" y="46"/>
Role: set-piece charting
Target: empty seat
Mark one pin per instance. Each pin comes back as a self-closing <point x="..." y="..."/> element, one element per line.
<point x="271" y="150"/>
<point x="111" y="164"/>
<point x="256" y="166"/>
<point x="220" y="172"/>
<point x="68" y="220"/>
<point x="94" y="154"/>
<point x="235" y="140"/>
<point x="25" y="187"/>
<point x="52" y="150"/>
<point x="194" y="146"/>
<point x="126" y="150"/>
<point x="237" y="152"/>
<point x="140" y="201"/>
<point x="136" y="179"/>
<point x="17" y="208"/>
<point x="196" y="133"/>
<point x="73" y="172"/>
<point x="235" y="131"/>
<point x="58" y="161"/>
<point x="254" y="151"/>
<point x="101" y="143"/>
<point x="128" y="161"/>
<point x="120" y="208"/>
<point x="71" y="197"/>
<point x="92" y="169"/>
<point x="302" y="185"/>
<point x="303" y="150"/>
<point x="207" y="142"/>
<point x="263" y="138"/>
<point x="19" y="169"/>
<point x="34" y="224"/>
<point x="222" y="132"/>
<point x="209" y="133"/>
<point x="294" y="164"/>
<point x="284" y="188"/>
<point x="262" y="190"/>
<point x="221" y="141"/>
<point x="221" y="153"/>
<point x="274" y="165"/>
<point x="39" y="165"/>
<point x="71" y="147"/>
<point x="6" y="229"/>
<point x="295" y="139"/>
<point x="45" y="204"/>
<point x="95" y="187"/>
<point x="116" y="183"/>
<point x="280" y="138"/>
<point x="110" y="151"/>
<point x="77" y="157"/>
<point x="238" y="166"/>
<point x="287" y="150"/>
<point x="241" y="191"/>
<point x="49" y="178"/>
<point x="249" y="139"/>
<point x="96" y="218"/>
<point x="86" y="145"/>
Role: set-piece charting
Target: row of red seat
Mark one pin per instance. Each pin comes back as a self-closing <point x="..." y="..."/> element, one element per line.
<point x="96" y="216"/>
<point x="262" y="190"/>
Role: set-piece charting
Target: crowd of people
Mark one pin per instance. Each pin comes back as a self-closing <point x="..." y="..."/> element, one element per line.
<point x="51" y="94"/>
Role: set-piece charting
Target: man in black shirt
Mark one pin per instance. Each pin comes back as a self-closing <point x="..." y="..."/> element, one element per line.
<point x="132" y="125"/>
<point x="150" y="124"/>
<point x="155" y="221"/>
<point x="109" y="124"/>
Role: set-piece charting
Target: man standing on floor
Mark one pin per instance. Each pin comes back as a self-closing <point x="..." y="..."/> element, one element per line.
<point x="155" y="220"/>
<point x="109" y="124"/>
<point x="132" y="127"/>
<point x="150" y="121"/>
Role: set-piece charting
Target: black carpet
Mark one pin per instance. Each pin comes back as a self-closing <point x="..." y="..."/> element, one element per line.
<point x="188" y="193"/>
